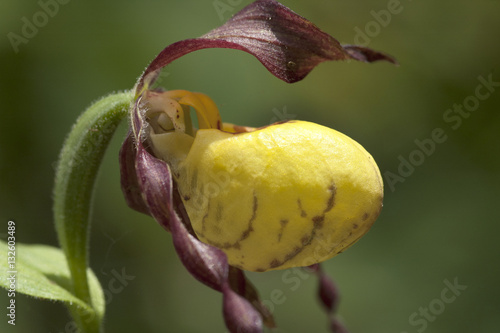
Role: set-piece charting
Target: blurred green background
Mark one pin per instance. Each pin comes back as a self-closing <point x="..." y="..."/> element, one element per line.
<point x="439" y="220"/>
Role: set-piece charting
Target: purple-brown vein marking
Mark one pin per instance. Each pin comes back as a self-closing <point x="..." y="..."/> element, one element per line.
<point x="317" y="222"/>
<point x="245" y="234"/>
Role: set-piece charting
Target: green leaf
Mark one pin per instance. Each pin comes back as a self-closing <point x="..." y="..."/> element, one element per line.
<point x="42" y="272"/>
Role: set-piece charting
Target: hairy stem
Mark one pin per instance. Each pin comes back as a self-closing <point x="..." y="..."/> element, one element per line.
<point x="76" y="173"/>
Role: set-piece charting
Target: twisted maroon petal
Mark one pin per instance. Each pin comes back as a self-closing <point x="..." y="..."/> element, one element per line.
<point x="287" y="44"/>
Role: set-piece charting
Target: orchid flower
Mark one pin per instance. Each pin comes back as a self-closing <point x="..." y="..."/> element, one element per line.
<point x="236" y="198"/>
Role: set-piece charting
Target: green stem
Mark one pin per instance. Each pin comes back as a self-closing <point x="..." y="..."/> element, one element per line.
<point x="76" y="173"/>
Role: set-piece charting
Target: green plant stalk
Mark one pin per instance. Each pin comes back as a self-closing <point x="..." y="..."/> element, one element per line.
<point x="76" y="173"/>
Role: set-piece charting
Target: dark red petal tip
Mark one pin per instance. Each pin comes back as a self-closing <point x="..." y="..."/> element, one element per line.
<point x="240" y="316"/>
<point x="365" y="54"/>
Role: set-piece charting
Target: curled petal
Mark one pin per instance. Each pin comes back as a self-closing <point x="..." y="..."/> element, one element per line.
<point x="287" y="44"/>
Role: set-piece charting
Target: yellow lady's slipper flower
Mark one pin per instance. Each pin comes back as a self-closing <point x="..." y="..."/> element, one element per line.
<point x="236" y="198"/>
<point x="290" y="194"/>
